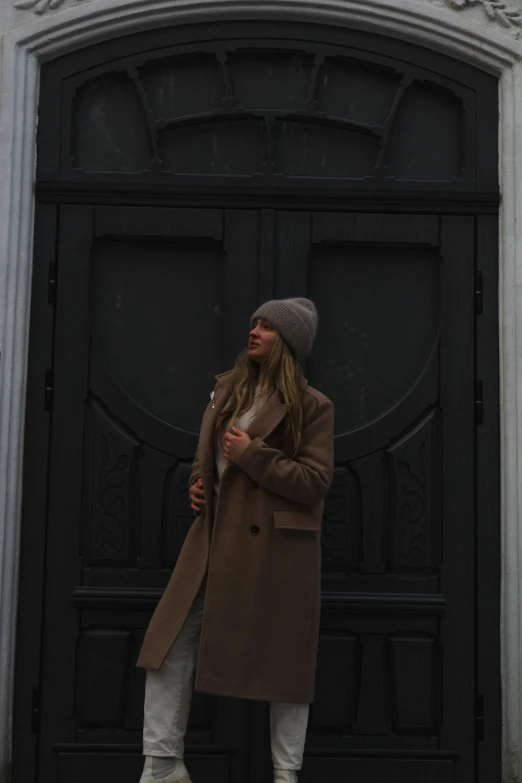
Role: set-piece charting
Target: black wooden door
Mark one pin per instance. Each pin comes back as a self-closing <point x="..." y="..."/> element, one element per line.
<point x="151" y="303"/>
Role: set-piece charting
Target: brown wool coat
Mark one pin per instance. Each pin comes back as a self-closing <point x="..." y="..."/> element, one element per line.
<point x="261" y="556"/>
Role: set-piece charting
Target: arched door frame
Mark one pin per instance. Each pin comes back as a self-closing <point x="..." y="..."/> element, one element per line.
<point x="27" y="46"/>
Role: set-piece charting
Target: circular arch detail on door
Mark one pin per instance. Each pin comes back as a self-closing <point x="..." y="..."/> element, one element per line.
<point x="27" y="46"/>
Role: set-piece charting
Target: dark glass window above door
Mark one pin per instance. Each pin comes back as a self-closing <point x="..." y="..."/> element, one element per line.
<point x="306" y="116"/>
<point x="285" y="111"/>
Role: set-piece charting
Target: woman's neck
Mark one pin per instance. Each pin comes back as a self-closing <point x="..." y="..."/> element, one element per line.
<point x="262" y="379"/>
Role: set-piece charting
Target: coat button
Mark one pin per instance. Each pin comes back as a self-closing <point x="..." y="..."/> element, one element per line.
<point x="254" y="485"/>
<point x="254" y="530"/>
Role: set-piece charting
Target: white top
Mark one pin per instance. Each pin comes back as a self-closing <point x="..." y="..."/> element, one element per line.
<point x="243" y="423"/>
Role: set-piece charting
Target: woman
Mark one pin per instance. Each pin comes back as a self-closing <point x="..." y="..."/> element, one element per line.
<point x="244" y="598"/>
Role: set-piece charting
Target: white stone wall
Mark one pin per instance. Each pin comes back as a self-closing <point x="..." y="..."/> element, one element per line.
<point x="487" y="33"/>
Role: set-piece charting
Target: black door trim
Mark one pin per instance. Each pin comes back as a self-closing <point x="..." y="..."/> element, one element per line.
<point x="488" y="551"/>
<point x="34" y="505"/>
<point x="433" y="203"/>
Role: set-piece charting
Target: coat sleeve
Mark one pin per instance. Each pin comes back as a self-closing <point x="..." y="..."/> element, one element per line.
<point x="307" y="477"/>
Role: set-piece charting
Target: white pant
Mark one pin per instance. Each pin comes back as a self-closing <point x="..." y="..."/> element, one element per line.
<point x="168" y="694"/>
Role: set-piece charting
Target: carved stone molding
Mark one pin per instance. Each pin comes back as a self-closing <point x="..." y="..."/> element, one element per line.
<point x="506" y="15"/>
<point x="41" y="6"/>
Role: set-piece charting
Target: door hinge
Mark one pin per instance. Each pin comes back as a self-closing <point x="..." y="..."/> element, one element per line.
<point x="35" y="712"/>
<point x="478" y="292"/>
<point x="52" y="282"/>
<point x="479" y="717"/>
<point x="49" y="387"/>
<point x="479" y="403"/>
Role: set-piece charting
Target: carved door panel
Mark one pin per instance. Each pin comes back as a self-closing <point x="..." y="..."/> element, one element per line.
<point x="151" y="303"/>
<point x="395" y="351"/>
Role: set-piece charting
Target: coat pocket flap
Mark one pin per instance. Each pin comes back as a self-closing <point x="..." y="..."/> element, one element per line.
<point x="296" y="520"/>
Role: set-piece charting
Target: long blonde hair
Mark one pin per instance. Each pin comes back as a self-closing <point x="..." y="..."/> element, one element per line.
<point x="281" y="374"/>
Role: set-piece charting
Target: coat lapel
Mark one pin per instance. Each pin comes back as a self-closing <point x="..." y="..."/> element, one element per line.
<point x="266" y="421"/>
<point x="269" y="417"/>
<point x="206" y="435"/>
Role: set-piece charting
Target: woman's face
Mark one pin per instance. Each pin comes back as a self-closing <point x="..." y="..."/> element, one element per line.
<point x="261" y="340"/>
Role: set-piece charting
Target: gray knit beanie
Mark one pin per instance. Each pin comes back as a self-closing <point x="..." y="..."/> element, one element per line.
<point x="294" y="319"/>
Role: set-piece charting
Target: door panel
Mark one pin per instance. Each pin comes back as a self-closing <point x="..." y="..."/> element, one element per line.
<point x="150" y="305"/>
<point x="395" y="351"/>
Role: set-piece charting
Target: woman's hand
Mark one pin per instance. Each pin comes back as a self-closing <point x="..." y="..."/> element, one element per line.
<point x="235" y="442"/>
<point x="197" y="496"/>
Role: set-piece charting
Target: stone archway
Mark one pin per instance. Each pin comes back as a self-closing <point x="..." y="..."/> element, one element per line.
<point x="31" y="40"/>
